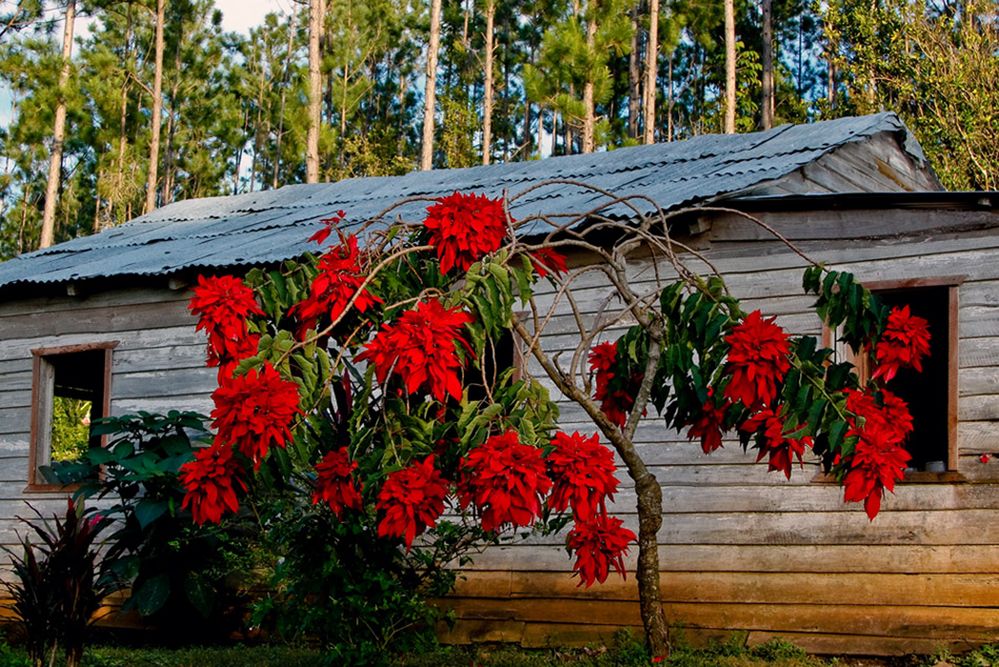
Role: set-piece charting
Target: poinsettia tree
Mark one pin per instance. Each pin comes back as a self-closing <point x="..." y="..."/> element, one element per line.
<point x="365" y="379"/>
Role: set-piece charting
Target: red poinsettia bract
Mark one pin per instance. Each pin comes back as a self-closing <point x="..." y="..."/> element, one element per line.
<point x="616" y="396"/>
<point x="548" y="260"/>
<point x="505" y="480"/>
<point x="583" y="474"/>
<point x="421" y="348"/>
<point x="781" y="448"/>
<point x="904" y="344"/>
<point x="335" y="483"/>
<point x="340" y="277"/>
<point x="254" y="412"/>
<point x="600" y="545"/>
<point x="757" y="361"/>
<point x="709" y="426"/>
<point x="412" y="499"/>
<point x="464" y="228"/>
<point x="329" y="225"/>
<point x="878" y="459"/>
<point x="223" y="304"/>
<point x="211" y="480"/>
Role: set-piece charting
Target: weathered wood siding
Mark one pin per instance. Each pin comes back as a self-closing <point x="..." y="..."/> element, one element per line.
<point x="746" y="550"/>
<point x="158" y="365"/>
<point x="741" y="549"/>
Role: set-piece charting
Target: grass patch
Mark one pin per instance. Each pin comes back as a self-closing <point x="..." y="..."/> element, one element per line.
<point x="625" y="652"/>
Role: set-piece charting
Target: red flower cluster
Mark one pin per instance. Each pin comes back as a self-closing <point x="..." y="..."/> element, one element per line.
<point x="253" y="412"/>
<point x="412" y="500"/>
<point x="583" y="473"/>
<point x="616" y="397"/>
<point x="223" y="305"/>
<point x="782" y="449"/>
<point x="548" y="260"/>
<point x="599" y="545"/>
<point x="879" y="459"/>
<point x="211" y="480"/>
<point x="505" y="481"/>
<point x="709" y="426"/>
<point x="335" y="484"/>
<point x="904" y="343"/>
<point x="421" y="348"/>
<point x="464" y="228"/>
<point x="757" y="361"/>
<point x="339" y="279"/>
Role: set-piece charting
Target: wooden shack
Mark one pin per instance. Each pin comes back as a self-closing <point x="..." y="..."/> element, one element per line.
<point x="742" y="550"/>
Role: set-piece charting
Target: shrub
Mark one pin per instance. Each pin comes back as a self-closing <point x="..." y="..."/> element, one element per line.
<point x="179" y="575"/>
<point x="58" y="586"/>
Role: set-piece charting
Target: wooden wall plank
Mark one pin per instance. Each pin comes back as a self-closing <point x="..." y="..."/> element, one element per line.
<point x="936" y="590"/>
<point x="98" y="320"/>
<point x="897" y="621"/>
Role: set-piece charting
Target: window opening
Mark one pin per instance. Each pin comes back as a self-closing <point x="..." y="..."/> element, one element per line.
<point x="71" y="390"/>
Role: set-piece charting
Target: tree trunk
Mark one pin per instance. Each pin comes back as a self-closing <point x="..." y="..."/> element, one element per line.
<point x="669" y="100"/>
<point x="169" y="168"/>
<point x="430" y="92"/>
<point x="651" y="74"/>
<point x="729" y="67"/>
<point x="649" y="501"/>
<point x="316" y="16"/>
<point x="58" y="132"/>
<point x="487" y="97"/>
<point x="634" y="76"/>
<point x="589" y="117"/>
<point x="768" y="65"/>
<point x="285" y="79"/>
<point x="154" y="141"/>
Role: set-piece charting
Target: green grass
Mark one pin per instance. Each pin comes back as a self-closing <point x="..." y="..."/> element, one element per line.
<point x="626" y="652"/>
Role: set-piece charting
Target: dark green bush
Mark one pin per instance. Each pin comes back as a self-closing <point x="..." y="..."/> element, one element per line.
<point x="57" y="586"/>
<point x="180" y="576"/>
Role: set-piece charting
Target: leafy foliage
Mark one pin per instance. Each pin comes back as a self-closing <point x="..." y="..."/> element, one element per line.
<point x="176" y="572"/>
<point x="58" y="584"/>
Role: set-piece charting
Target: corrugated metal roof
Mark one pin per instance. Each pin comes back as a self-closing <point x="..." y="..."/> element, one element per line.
<point x="273" y="225"/>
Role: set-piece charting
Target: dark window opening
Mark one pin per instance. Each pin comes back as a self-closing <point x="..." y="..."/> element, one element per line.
<point x="70" y="392"/>
<point x="927" y="392"/>
<point x="500" y="355"/>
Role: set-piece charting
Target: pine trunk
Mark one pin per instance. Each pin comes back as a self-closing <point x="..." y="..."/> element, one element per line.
<point x="276" y="178"/>
<point x="316" y="16"/>
<point x="651" y="74"/>
<point x="729" y="66"/>
<point x="58" y="132"/>
<point x="589" y="118"/>
<point x="430" y="92"/>
<point x="154" y="141"/>
<point x="634" y="76"/>
<point x="487" y="101"/>
<point x="768" y="65"/>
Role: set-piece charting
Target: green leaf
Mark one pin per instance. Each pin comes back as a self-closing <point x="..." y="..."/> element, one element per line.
<point x="201" y="595"/>
<point x="147" y="511"/>
<point x="152" y="594"/>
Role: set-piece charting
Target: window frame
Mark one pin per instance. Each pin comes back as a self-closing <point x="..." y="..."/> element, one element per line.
<point x="42" y="394"/>
<point x="953" y="285"/>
